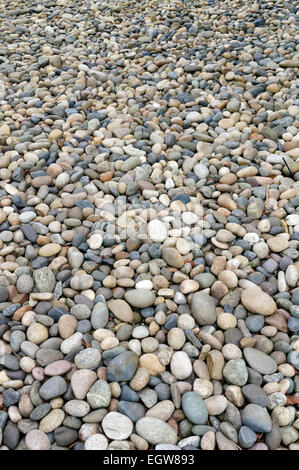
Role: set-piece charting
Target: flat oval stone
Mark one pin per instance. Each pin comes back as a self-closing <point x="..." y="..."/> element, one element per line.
<point x="156" y="431"/>
<point x="140" y="298"/>
<point x="54" y="387"/>
<point x="180" y="365"/>
<point x="50" y="249"/>
<point x="57" y="368"/>
<point x="194" y="408"/>
<point x="52" y="421"/>
<point x="257" y="301"/>
<point x="121" y="310"/>
<point x="260" y="361"/>
<point x="77" y="408"/>
<point x="82" y="282"/>
<point x="99" y="316"/>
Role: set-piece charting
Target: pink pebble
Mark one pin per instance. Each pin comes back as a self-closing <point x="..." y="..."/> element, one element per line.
<point x="38" y="373"/>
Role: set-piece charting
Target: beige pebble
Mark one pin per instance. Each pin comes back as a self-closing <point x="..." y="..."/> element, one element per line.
<point x="37" y="333"/>
<point x="203" y="387"/>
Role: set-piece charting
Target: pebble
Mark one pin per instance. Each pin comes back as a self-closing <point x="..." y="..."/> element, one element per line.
<point x="155" y="431"/>
<point x="37" y="440"/>
<point x="140" y="298"/>
<point x="257" y="301"/>
<point x="117" y="426"/>
<point x="122" y="367"/>
<point x="148" y="226"/>
<point x="256" y="418"/>
<point x="99" y="394"/>
<point x="194" y="408"/>
<point x="260" y="361"/>
<point x="54" y="387"/>
<point x="180" y="365"/>
<point x="96" y="442"/>
<point x="203" y="308"/>
<point x="235" y="372"/>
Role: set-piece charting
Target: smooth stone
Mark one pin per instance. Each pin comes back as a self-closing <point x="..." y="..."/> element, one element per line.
<point x="257" y="301"/>
<point x="180" y="365"/>
<point x="123" y="367"/>
<point x="255" y="394"/>
<point x="51" y="249"/>
<point x="96" y="442"/>
<point x="54" y="387"/>
<point x="224" y="443"/>
<point x="99" y="394"/>
<point x="157" y="231"/>
<point x="117" y="426"/>
<point x="99" y="316"/>
<point x="57" y="368"/>
<point x="194" y="408"/>
<point x="82" y="282"/>
<point x="65" y="436"/>
<point x="52" y="421"/>
<point x="89" y="358"/>
<point x="156" y="431"/>
<point x="172" y="257"/>
<point x="76" y="408"/>
<point x="256" y="418"/>
<point x="37" y="440"/>
<point x="259" y="361"/>
<point x="203" y="308"/>
<point x="235" y="372"/>
<point x="40" y="412"/>
<point x="121" y="310"/>
<point x="134" y="411"/>
<point x="247" y="437"/>
<point x="44" y="280"/>
<point x="140" y="298"/>
<point x="81" y="382"/>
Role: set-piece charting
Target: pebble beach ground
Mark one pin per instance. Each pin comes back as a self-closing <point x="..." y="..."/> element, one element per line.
<point x="149" y="185"/>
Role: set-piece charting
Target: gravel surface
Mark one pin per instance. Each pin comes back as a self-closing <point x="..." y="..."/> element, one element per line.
<point x="149" y="186"/>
